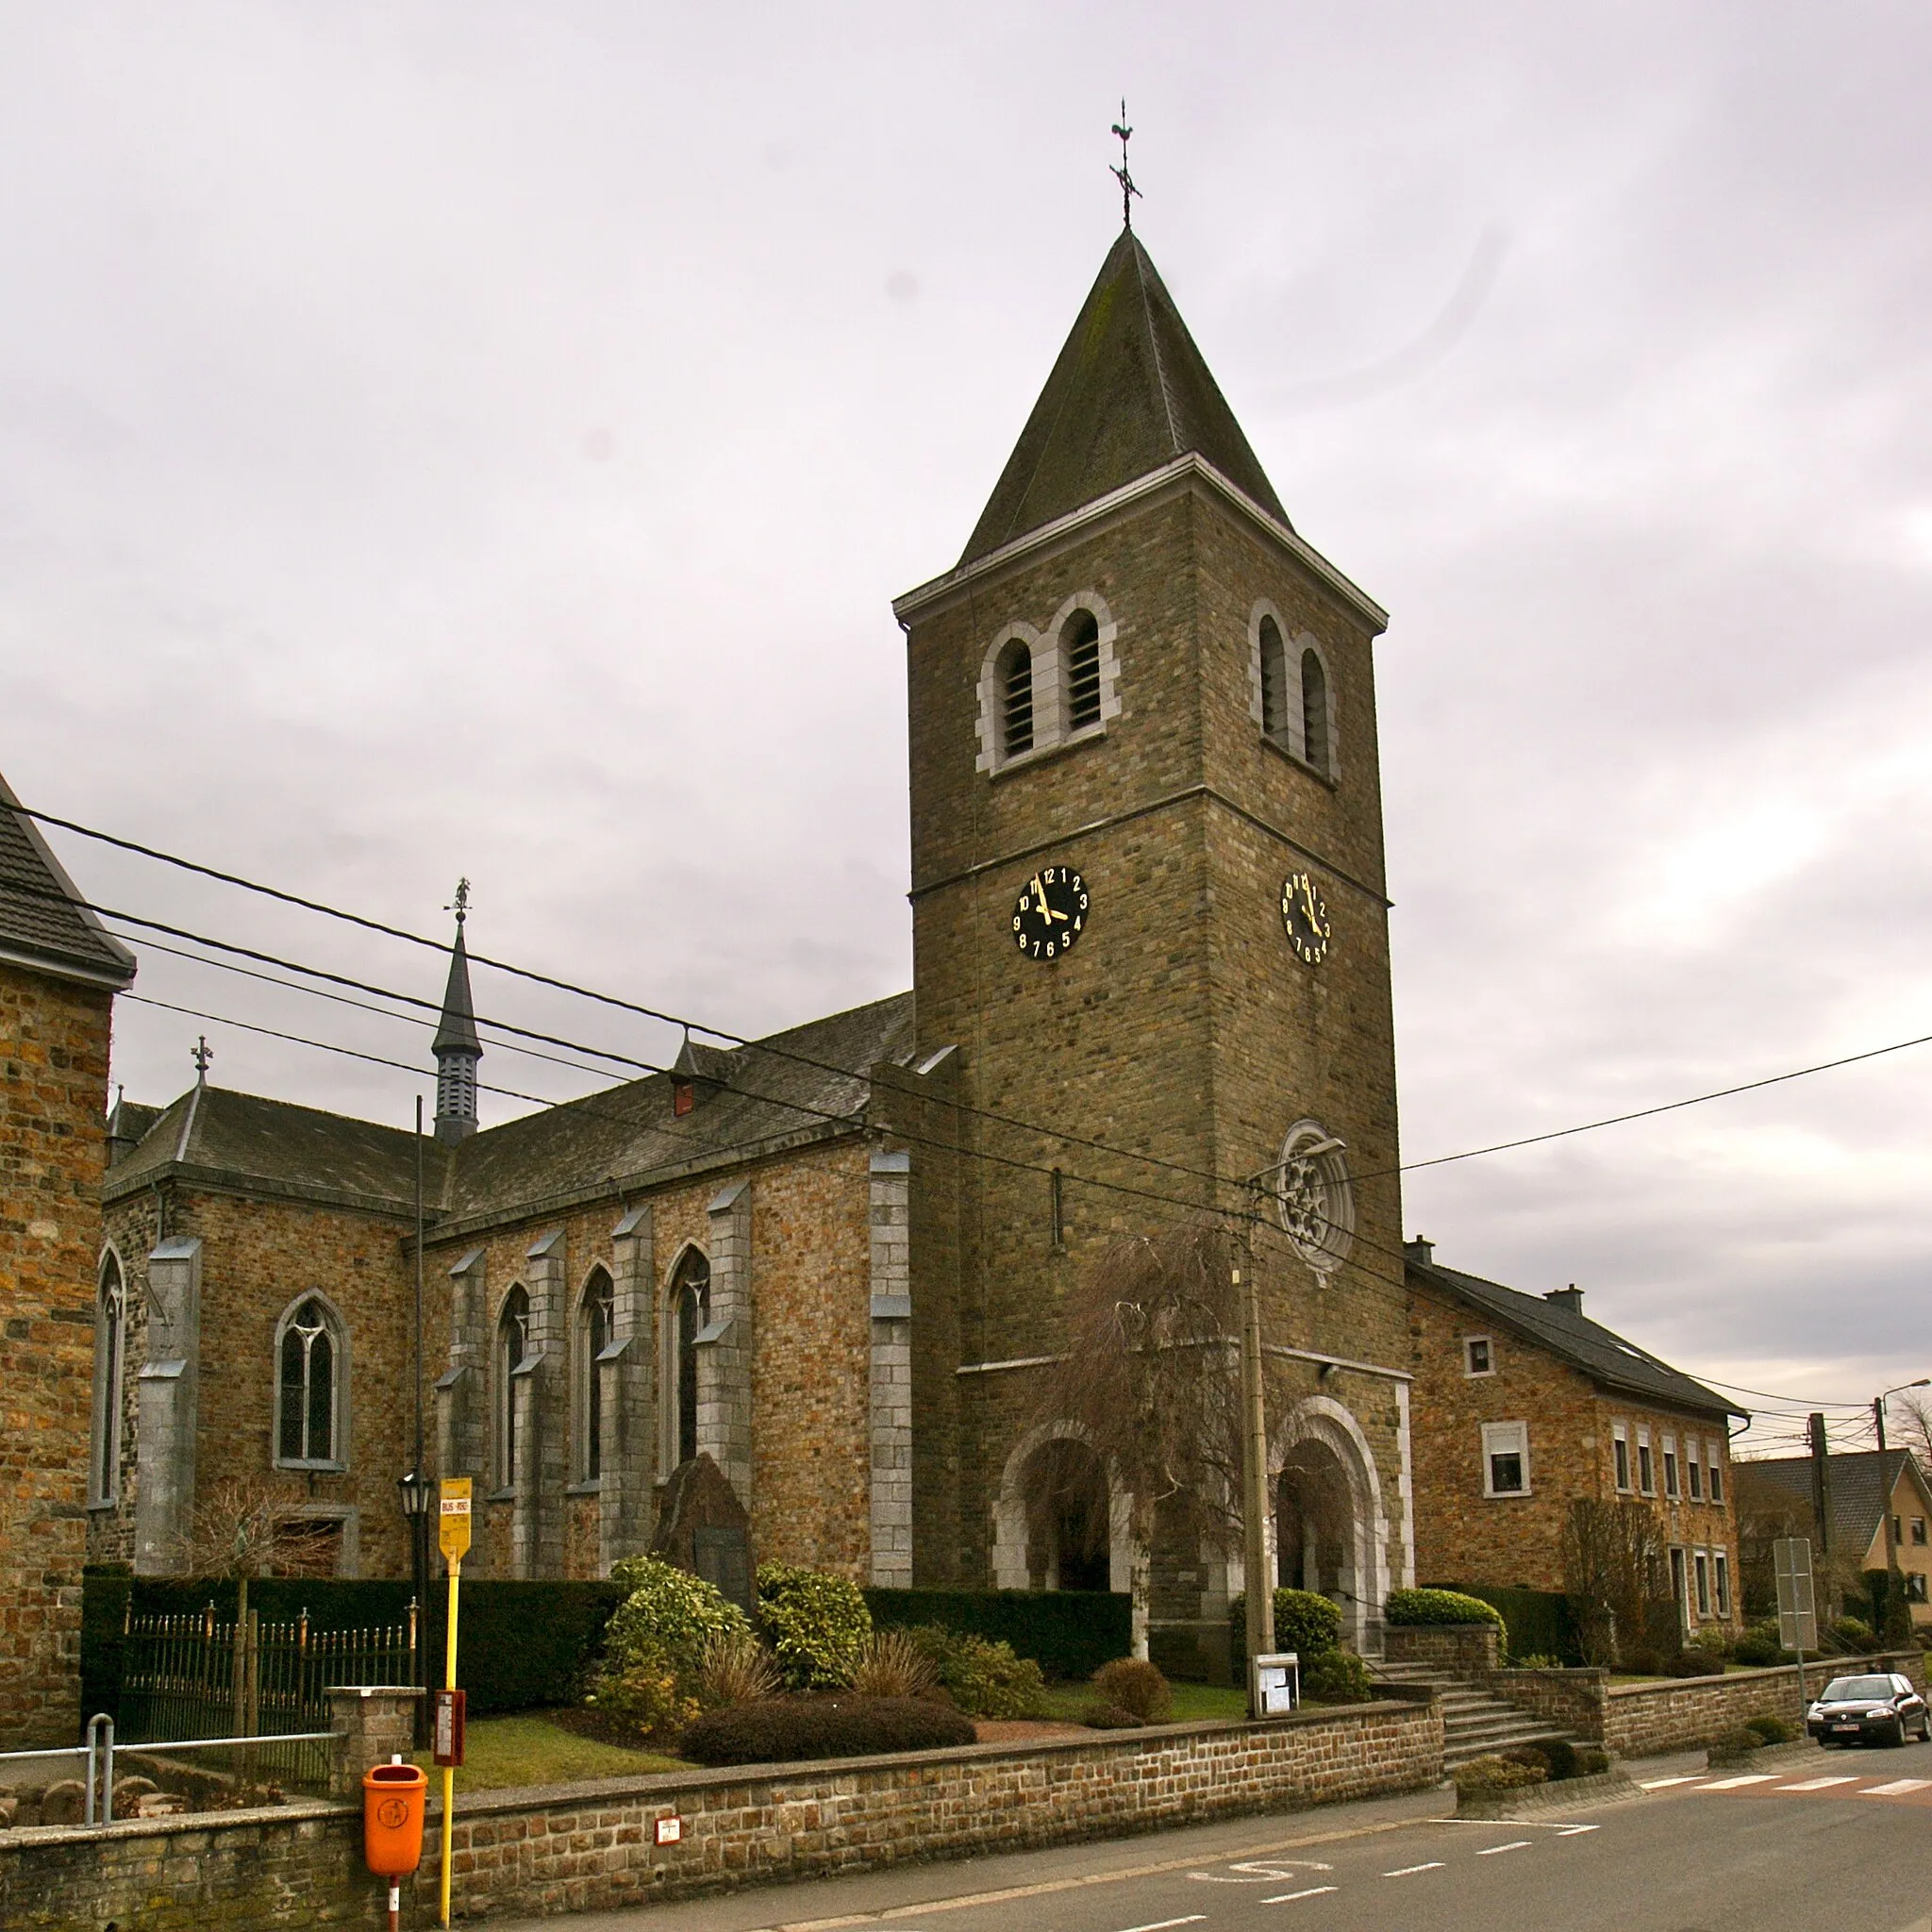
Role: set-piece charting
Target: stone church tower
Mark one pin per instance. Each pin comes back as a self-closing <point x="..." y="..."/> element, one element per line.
<point x="1147" y="890"/>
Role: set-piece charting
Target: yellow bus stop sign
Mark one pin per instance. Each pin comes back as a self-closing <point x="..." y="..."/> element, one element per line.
<point x="453" y="1517"/>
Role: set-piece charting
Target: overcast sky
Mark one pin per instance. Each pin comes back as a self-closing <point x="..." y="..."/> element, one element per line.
<point x="475" y="439"/>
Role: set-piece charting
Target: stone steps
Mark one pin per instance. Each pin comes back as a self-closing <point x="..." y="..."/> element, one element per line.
<point x="1474" y="1723"/>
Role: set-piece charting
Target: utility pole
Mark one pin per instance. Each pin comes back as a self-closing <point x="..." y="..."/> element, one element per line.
<point x="1821" y="1482"/>
<point x="1260" y="1593"/>
<point x="419" y="1524"/>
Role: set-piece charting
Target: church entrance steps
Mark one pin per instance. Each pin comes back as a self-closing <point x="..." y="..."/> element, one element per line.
<point x="1475" y="1722"/>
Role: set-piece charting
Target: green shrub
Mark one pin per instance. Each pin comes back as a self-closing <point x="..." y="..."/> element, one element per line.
<point x="1305" y="1623"/>
<point x="1068" y="1633"/>
<point x="1536" y="1661"/>
<point x="1757" y="1645"/>
<point x="1538" y="1623"/>
<point x="1769" y="1730"/>
<point x="1111" y="1717"/>
<point x="1412" y="1606"/>
<point x="816" y="1622"/>
<point x="1592" y="1760"/>
<point x="1692" y="1662"/>
<point x="983" y="1678"/>
<point x="1852" y="1634"/>
<point x="1729" y="1746"/>
<point x="1556" y="1757"/>
<point x="656" y="1643"/>
<point x="837" y="1724"/>
<point x="1338" y="1676"/>
<point x="891" y="1665"/>
<point x="1133" y="1684"/>
<point x="1494" y="1774"/>
<point x="735" y="1668"/>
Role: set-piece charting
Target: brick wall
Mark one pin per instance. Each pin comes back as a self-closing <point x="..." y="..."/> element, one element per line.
<point x="590" y="1847"/>
<point x="53" y="1148"/>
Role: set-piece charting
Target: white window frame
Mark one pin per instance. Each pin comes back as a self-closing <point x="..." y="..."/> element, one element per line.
<point x="1622" y="1474"/>
<point x="1694" y="1470"/>
<point x="1713" y="1474"/>
<point x="1674" y="1479"/>
<point x="1469" y="1344"/>
<point x="1919" y="1532"/>
<point x="1505" y="1439"/>
<point x="338" y="1332"/>
<point x="1051" y="731"/>
<point x="1646" y="1463"/>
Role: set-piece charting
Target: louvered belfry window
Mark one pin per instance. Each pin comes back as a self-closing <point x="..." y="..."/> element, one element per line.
<point x="1274" y="680"/>
<point x="1016" y="700"/>
<point x="1080" y="644"/>
<point x="1315" y="712"/>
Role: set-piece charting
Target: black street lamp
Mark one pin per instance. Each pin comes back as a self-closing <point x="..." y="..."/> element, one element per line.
<point x="418" y="1495"/>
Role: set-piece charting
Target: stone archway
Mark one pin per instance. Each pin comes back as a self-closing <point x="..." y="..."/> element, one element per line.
<point x="1059" y="1523"/>
<point x="1330" y="1530"/>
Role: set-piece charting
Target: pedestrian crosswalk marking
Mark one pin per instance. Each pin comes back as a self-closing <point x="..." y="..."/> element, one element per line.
<point x="1658" y="1784"/>
<point x="1818" y="1784"/>
<point x="1898" y="1788"/>
<point x="1282" y="1898"/>
<point x="1731" y="1784"/>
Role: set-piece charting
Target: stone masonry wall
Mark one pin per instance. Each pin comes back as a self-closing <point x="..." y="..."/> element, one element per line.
<point x="588" y="1847"/>
<point x="53" y="1148"/>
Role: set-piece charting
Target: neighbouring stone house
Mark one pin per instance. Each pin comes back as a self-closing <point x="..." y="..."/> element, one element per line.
<point x="59" y="972"/>
<point x="1523" y="1406"/>
<point x="1780" y="1496"/>
<point x="1151" y="978"/>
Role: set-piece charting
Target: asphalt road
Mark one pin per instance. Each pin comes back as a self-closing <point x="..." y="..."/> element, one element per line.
<point x="1834" y="1843"/>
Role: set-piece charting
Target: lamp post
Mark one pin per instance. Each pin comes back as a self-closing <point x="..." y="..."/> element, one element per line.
<point x="1884" y="1495"/>
<point x="417" y="1495"/>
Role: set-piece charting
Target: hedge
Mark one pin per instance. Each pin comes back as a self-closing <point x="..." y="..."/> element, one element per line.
<point x="1539" y="1621"/>
<point x="784" y="1729"/>
<point x="522" y="1645"/>
<point x="1409" y="1607"/>
<point x="1068" y="1633"/>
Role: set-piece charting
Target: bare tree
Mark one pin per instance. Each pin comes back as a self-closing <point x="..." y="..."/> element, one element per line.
<point x="1612" y="1558"/>
<point x="1150" y="1383"/>
<point x="1915" y="1426"/>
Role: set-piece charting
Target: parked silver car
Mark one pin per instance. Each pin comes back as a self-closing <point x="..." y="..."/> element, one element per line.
<point x="1872" y="1709"/>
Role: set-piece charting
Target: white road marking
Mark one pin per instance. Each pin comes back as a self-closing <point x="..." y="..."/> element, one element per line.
<point x="1162" y="1924"/>
<point x="1898" y="1788"/>
<point x="1262" y="1871"/>
<point x="1282" y="1898"/>
<point x="1515" y="1844"/>
<point x="1658" y="1784"/>
<point x="1405" y="1870"/>
<point x="1575" y="1830"/>
<point x="1750" y="1777"/>
<point x="1818" y="1784"/>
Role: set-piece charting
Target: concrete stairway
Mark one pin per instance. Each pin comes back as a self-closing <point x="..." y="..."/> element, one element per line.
<point x="1473" y="1723"/>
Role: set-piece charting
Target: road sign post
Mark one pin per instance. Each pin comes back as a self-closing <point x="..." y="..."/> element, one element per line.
<point x="452" y="1539"/>
<point x="1797" y="1605"/>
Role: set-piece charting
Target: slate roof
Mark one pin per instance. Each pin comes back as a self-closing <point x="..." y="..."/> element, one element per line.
<point x="1600" y="1353"/>
<point x="1857" y="1490"/>
<point x="752" y="1096"/>
<point x="455" y="1031"/>
<point x="43" y="921"/>
<point x="1128" y="393"/>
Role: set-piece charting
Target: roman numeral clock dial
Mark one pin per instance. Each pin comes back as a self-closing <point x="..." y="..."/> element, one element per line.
<point x="1052" y="912"/>
<point x="1305" y="918"/>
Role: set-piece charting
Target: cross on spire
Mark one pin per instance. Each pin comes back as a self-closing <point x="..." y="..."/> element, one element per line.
<point x="1127" y="188"/>
<point x="201" y="1053"/>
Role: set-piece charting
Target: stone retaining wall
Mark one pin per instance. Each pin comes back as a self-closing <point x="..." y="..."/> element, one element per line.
<point x="1677" y="1713"/>
<point x="572" y="1848"/>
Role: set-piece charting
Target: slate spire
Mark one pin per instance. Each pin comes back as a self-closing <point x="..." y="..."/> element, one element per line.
<point x="1128" y="393"/>
<point x="457" y="1046"/>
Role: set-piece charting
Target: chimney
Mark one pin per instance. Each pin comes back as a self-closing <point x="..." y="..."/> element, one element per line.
<point x="1420" y="1249"/>
<point x="1570" y="1298"/>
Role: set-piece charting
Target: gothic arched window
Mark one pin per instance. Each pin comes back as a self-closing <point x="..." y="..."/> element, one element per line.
<point x="1274" y="682"/>
<point x="1014" y="696"/>
<point x="1316" y="748"/>
<point x="312" y="1376"/>
<point x="596" y="1324"/>
<point x="512" y="1345"/>
<point x="1080" y="668"/>
<point x="110" y="1342"/>
<point x="691" y="1311"/>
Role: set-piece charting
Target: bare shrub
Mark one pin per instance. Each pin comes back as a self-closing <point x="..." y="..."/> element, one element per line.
<point x="891" y="1665"/>
<point x="735" y="1668"/>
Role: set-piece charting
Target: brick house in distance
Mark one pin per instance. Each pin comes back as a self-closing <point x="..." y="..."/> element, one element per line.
<point x="1523" y="1405"/>
<point x="59" y="974"/>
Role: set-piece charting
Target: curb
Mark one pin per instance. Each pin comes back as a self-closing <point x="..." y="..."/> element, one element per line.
<point x="1559" y="1796"/>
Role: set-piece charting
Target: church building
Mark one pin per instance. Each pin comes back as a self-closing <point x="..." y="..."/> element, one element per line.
<point x="1151" y="987"/>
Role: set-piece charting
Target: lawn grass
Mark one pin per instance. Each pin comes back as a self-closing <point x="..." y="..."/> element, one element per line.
<point x="1070" y="1702"/>
<point x="528" y="1749"/>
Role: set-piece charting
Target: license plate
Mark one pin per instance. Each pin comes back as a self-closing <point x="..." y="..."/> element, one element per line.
<point x="1847" y="1728"/>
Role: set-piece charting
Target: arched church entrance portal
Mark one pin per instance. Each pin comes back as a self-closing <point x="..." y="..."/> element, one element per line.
<point x="1068" y="1517"/>
<point x="1317" y="1531"/>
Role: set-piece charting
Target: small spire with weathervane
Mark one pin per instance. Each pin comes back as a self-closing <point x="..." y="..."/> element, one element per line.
<point x="457" y="1046"/>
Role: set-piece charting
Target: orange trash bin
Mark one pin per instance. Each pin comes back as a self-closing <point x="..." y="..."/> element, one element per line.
<point x="392" y="1800"/>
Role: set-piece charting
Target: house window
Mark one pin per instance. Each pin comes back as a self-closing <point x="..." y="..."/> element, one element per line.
<point x="1315" y="713"/>
<point x="1646" y="1475"/>
<point x="1015" y="700"/>
<point x="1694" y="1472"/>
<point x="1477" y="1359"/>
<point x="690" y="1304"/>
<point x="1670" y="1467"/>
<point x="1619" y="1450"/>
<point x="596" y="1323"/>
<point x="1506" y="1458"/>
<point x="1700" y="1564"/>
<point x="1716" y="1472"/>
<point x="1080" y="667"/>
<point x="1274" y="682"/>
<point x="1722" y="1565"/>
<point x="311" y="1369"/>
<point x="1915" y="1587"/>
<point x="512" y="1348"/>
<point x="111" y="1340"/>
<point x="1918" y="1529"/>
<point x="1898" y="1531"/>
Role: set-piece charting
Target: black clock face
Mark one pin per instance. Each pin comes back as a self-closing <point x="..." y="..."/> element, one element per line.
<point x="1052" y="912"/>
<point x="1306" y="918"/>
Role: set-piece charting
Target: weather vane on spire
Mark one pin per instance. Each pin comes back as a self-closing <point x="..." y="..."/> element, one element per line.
<point x="460" y="903"/>
<point x="1127" y="188"/>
